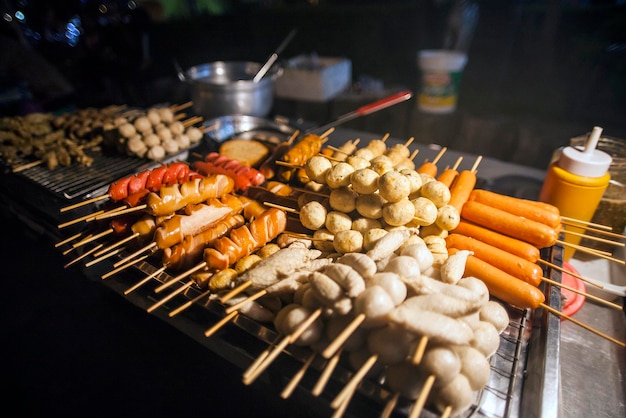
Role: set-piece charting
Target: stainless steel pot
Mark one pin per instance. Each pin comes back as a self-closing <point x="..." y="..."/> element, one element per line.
<point x="226" y="88"/>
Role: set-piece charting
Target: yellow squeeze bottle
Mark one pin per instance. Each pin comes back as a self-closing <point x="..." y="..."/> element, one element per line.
<point x="575" y="183"/>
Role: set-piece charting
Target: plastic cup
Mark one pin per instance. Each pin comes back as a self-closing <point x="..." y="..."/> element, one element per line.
<point x="441" y="77"/>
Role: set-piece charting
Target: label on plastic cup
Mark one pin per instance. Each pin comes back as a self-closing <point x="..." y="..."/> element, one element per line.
<point x="441" y="78"/>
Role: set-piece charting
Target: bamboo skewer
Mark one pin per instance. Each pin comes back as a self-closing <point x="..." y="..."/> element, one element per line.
<point x="123" y="267"/>
<point x="180" y="277"/>
<point x="600" y="254"/>
<point x="136" y="253"/>
<point x="68" y="240"/>
<point x="117" y="244"/>
<point x="188" y="304"/>
<point x="144" y="281"/>
<point x="102" y="257"/>
<point x="586" y="295"/>
<point x="326" y="373"/>
<point x="390" y="405"/>
<point x="72" y="248"/>
<point x="170" y="296"/>
<point x="22" y="167"/>
<point x="578" y="276"/>
<point x="334" y="345"/>
<point x="579" y="222"/>
<point x="420" y="350"/>
<point x="594" y="238"/>
<point x="117" y="212"/>
<point x="295" y="380"/>
<point x="235" y="291"/>
<point x="93" y="238"/>
<point x="219" y="324"/>
<point x="351" y="386"/>
<point x="85" y="202"/>
<point x="77" y="220"/>
<point x="85" y="254"/>
<point x="606" y="231"/>
<point x="288" y="339"/>
<point x="419" y="403"/>
<point x="587" y="327"/>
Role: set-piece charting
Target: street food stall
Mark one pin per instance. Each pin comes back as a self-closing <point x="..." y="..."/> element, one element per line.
<point x="294" y="265"/>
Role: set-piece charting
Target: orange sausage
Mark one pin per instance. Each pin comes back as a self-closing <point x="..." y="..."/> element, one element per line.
<point x="511" y="245"/>
<point x="533" y="232"/>
<point x="448" y="176"/>
<point x="461" y="189"/>
<point x="428" y="168"/>
<point x="546" y="213"/>
<point x="510" y="263"/>
<point x="502" y="285"/>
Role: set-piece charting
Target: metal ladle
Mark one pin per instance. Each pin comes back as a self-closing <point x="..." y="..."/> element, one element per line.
<point x="272" y="58"/>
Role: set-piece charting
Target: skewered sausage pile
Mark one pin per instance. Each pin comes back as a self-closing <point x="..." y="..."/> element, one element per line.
<point x="390" y="257"/>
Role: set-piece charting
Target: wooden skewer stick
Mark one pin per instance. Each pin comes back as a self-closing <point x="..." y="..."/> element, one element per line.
<point x="77" y="220"/>
<point x="123" y="267"/>
<point x="144" y="280"/>
<point x="136" y="253"/>
<point x="440" y="154"/>
<point x="580" y="292"/>
<point x="606" y="231"/>
<point x="457" y="163"/>
<point x="93" y="238"/>
<point x="289" y="339"/>
<point x="476" y="163"/>
<point x="334" y="345"/>
<point x="102" y="257"/>
<point x="219" y="324"/>
<point x="446" y="412"/>
<point x="326" y="373"/>
<point x="581" y="222"/>
<point x="235" y="291"/>
<point x="390" y="405"/>
<point x="68" y="240"/>
<point x="327" y="133"/>
<point x="295" y="380"/>
<point x="344" y="405"/>
<point x="118" y="212"/>
<point x="192" y="121"/>
<point x="414" y="154"/>
<point x="117" y="244"/>
<point x="288" y="165"/>
<point x="578" y="276"/>
<point x="170" y="296"/>
<point x="419" y="403"/>
<point x="594" y="238"/>
<point x="188" y="304"/>
<point x="409" y="141"/>
<point x="251" y="298"/>
<point x="600" y="254"/>
<point x="352" y="384"/>
<point x="285" y="208"/>
<point x="420" y="350"/>
<point x="585" y="326"/>
<point x="257" y="362"/>
<point x="22" y="167"/>
<point x="249" y="378"/>
<point x="85" y="202"/>
<point x="83" y="255"/>
<point x="179" y="107"/>
<point x="180" y="277"/>
<point x="72" y="248"/>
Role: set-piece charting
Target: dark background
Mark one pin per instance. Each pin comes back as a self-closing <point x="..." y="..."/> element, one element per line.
<point x="539" y="71"/>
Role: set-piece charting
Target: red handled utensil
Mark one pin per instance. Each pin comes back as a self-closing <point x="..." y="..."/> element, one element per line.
<point x="366" y="110"/>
